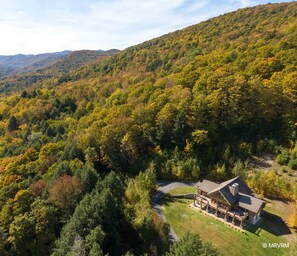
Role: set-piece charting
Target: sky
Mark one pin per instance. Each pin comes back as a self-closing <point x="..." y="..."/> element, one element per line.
<point x="39" y="26"/>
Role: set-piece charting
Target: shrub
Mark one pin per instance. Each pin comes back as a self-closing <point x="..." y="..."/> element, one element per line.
<point x="292" y="222"/>
<point x="283" y="158"/>
<point x="293" y="164"/>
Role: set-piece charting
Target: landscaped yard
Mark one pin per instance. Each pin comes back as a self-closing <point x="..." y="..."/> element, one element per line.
<point x="183" y="190"/>
<point x="182" y="218"/>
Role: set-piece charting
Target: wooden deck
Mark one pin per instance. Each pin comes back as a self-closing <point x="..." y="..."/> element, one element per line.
<point x="229" y="224"/>
<point x="204" y="203"/>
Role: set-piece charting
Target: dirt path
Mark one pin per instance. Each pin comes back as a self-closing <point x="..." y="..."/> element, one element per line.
<point x="267" y="163"/>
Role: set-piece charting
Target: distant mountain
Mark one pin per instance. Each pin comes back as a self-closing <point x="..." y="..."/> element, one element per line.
<point x="19" y="71"/>
<point x="21" y="63"/>
<point x="14" y="63"/>
<point x="22" y="60"/>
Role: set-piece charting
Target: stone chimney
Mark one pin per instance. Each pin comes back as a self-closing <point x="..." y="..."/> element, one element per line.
<point x="234" y="189"/>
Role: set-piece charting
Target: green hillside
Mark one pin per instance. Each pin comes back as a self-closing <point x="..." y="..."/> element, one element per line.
<point x="195" y="103"/>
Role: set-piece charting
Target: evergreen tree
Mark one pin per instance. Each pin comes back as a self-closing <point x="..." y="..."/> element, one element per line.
<point x="12" y="123"/>
<point x="24" y="94"/>
<point x="191" y="245"/>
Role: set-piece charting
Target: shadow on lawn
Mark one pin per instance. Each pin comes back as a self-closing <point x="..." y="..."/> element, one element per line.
<point x="169" y="199"/>
<point x="160" y="198"/>
<point x="272" y="224"/>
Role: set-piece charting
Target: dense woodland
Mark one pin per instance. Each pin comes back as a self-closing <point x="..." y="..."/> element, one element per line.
<point x="81" y="152"/>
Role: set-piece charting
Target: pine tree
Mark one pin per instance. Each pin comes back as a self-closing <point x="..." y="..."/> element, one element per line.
<point x="12" y="123"/>
<point x="191" y="245"/>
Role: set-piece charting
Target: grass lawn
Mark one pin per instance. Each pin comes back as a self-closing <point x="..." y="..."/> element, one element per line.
<point x="228" y="241"/>
<point x="183" y="190"/>
<point x="279" y="208"/>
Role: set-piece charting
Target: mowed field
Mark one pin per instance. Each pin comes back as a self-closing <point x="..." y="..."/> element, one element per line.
<point x="183" y="190"/>
<point x="228" y="241"/>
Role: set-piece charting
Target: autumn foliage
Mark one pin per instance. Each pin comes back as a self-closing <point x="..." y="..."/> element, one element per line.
<point x="37" y="188"/>
<point x="196" y="103"/>
<point x="292" y="222"/>
<point x="64" y="191"/>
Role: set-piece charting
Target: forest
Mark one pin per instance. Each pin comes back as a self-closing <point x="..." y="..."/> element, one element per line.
<point x="80" y="151"/>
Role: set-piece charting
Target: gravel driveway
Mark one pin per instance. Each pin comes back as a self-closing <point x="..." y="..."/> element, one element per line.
<point x="163" y="188"/>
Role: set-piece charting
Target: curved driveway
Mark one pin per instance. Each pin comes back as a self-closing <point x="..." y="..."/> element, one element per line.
<point x="163" y="188"/>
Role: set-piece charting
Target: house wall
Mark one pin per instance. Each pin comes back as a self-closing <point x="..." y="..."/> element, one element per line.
<point x="254" y="217"/>
<point x="251" y="217"/>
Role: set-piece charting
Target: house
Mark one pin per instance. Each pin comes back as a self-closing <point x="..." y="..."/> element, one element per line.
<point x="233" y="200"/>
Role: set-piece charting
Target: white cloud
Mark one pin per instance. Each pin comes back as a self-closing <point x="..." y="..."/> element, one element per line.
<point x="32" y="26"/>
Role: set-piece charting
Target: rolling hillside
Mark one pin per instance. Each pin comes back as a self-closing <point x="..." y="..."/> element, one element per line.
<point x="44" y="66"/>
<point x="195" y="103"/>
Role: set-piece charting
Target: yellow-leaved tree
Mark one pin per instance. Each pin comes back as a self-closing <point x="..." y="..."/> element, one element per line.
<point x="292" y="222"/>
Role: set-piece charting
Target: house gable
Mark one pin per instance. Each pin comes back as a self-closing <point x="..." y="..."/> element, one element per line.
<point x="220" y="197"/>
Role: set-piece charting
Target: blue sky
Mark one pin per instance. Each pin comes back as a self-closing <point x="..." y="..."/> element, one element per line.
<point x="37" y="26"/>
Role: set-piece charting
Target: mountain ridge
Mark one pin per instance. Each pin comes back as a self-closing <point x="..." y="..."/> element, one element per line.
<point x="24" y="63"/>
<point x="13" y="79"/>
<point x="23" y="60"/>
